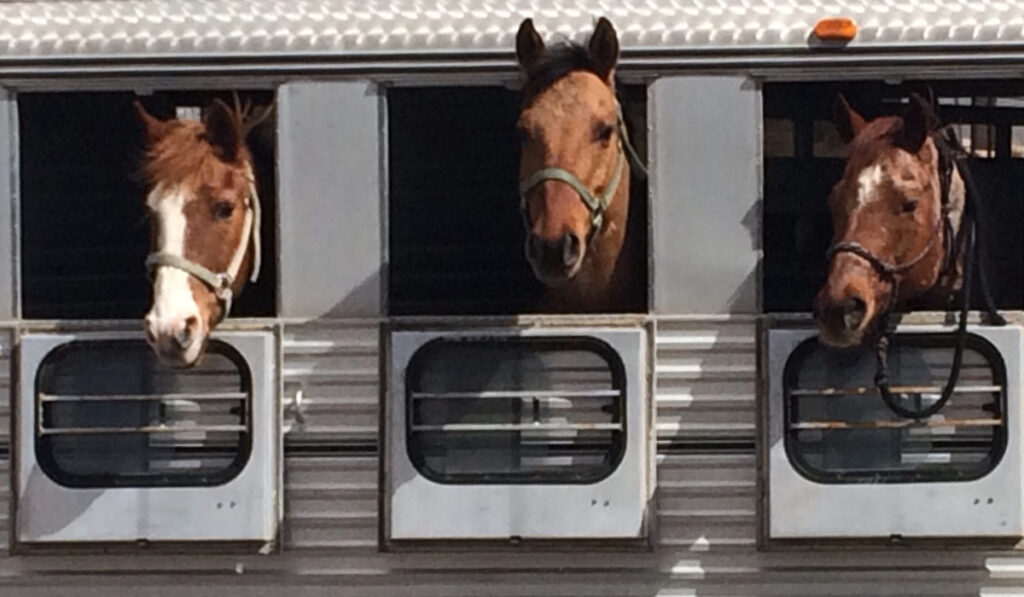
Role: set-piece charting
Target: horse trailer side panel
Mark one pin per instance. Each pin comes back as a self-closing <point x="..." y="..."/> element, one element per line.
<point x="331" y="385"/>
<point x="330" y="190"/>
<point x="8" y="191"/>
<point x="705" y="139"/>
<point x="706" y="380"/>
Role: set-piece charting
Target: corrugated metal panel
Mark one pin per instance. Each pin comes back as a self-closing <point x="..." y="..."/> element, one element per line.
<point x="336" y="367"/>
<point x="705" y="376"/>
<point x="350" y="27"/>
<point x="331" y="502"/>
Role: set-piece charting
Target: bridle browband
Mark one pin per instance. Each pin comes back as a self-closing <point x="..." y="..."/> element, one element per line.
<point x="952" y="156"/>
<point x="221" y="283"/>
<point x="596" y="205"/>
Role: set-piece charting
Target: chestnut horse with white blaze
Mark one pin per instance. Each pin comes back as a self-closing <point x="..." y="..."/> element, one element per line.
<point x="204" y="214"/>
<point x="574" y="170"/>
<point x="897" y="216"/>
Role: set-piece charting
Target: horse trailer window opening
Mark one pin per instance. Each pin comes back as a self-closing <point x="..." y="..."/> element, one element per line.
<point x="516" y="410"/>
<point x="803" y="159"/>
<point x="838" y="429"/>
<point x="84" y="234"/>
<point x="455" y="231"/>
<point x="109" y="415"/>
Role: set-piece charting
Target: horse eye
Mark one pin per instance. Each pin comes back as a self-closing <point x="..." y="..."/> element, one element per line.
<point x="222" y="210"/>
<point x="603" y="132"/>
<point x="909" y="205"/>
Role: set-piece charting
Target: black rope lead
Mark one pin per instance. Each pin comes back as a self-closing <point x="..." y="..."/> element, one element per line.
<point x="971" y="248"/>
<point x="974" y="209"/>
<point x="889" y="332"/>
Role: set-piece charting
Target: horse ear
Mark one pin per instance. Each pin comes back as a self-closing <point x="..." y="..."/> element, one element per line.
<point x="529" y="45"/>
<point x="918" y="123"/>
<point x="603" y="49"/>
<point x="155" y="128"/>
<point x="847" y="121"/>
<point x="223" y="130"/>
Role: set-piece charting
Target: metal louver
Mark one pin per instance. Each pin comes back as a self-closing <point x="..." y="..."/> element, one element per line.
<point x="515" y="409"/>
<point x="108" y="414"/>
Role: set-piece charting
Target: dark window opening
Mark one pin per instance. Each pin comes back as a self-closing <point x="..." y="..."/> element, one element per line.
<point x="455" y="232"/>
<point x="803" y="159"/>
<point x="516" y="410"/>
<point x="84" y="227"/>
<point x="109" y="415"/>
<point x="838" y="429"/>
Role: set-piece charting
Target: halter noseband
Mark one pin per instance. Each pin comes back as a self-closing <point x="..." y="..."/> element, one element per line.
<point x="883" y="267"/>
<point x="596" y="205"/>
<point x="221" y="283"/>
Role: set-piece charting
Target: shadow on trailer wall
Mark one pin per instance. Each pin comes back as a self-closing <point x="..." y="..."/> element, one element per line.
<point x="455" y="232"/>
<point x="803" y="159"/>
<point x="84" y="227"/>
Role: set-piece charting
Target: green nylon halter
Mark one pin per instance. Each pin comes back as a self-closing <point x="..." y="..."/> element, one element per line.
<point x="595" y="205"/>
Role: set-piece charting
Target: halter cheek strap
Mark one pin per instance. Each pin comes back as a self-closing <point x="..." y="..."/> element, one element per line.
<point x="222" y="283"/>
<point x="596" y="205"/>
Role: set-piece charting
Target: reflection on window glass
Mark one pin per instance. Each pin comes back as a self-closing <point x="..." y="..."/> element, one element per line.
<point x="827" y="143"/>
<point x="110" y="415"/>
<point x="516" y="410"/>
<point x="779" y="141"/>
<point x="838" y="429"/>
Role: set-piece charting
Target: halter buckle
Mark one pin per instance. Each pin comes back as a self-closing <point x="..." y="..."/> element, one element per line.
<point x="223" y="287"/>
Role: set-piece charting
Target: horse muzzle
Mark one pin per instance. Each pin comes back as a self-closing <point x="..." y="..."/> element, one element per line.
<point x="555" y="261"/>
<point x="177" y="342"/>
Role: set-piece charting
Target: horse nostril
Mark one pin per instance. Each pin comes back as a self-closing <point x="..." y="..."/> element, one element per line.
<point x="187" y="332"/>
<point x="570" y="249"/>
<point x="854" y="309"/>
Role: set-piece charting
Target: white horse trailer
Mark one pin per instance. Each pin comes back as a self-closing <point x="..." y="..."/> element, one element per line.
<point x="389" y="415"/>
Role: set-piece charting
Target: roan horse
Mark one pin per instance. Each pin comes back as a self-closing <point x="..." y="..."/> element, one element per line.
<point x="204" y="214"/>
<point x="904" y="215"/>
<point x="575" y="170"/>
<point x="896" y="214"/>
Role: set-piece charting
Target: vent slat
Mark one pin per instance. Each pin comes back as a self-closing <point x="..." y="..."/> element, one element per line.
<point x="900" y="424"/>
<point x="142" y="397"/>
<point x="520" y="427"/>
<point x="512" y="394"/>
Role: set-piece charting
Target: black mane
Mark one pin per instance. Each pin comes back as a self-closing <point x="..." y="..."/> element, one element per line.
<point x="556" y="62"/>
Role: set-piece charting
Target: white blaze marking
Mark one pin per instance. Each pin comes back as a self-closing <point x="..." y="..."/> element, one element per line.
<point x="867" y="181"/>
<point x="173" y="302"/>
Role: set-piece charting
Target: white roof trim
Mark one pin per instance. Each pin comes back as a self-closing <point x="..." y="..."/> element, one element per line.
<point x="153" y="28"/>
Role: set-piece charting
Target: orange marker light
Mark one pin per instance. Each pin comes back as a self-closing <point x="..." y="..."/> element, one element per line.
<point x="836" y="29"/>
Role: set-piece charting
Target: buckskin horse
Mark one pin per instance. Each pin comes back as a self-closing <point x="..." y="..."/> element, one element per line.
<point x="903" y="229"/>
<point x="575" y="168"/>
<point x="204" y="214"/>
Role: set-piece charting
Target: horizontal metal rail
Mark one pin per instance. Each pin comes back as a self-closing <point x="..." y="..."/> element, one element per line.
<point x="144" y="429"/>
<point x="512" y="394"/>
<point x="897" y="424"/>
<point x="142" y="397"/>
<point x="462" y="427"/>
<point x="872" y="390"/>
